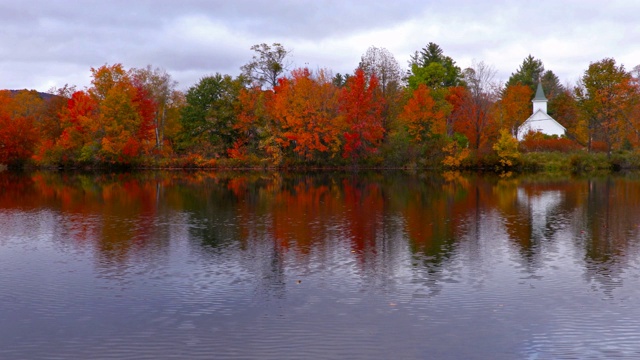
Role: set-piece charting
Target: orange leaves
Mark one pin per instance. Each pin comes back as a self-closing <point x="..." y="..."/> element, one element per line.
<point x="422" y="116"/>
<point x="606" y="95"/>
<point x="238" y="150"/>
<point x="305" y="109"/>
<point x="515" y="106"/>
<point x="111" y="122"/>
<point x="309" y="117"/>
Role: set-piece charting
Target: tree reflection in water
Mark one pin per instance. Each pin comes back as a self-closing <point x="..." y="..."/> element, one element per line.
<point x="225" y="257"/>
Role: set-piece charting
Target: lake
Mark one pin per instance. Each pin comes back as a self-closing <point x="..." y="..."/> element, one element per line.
<point x="388" y="265"/>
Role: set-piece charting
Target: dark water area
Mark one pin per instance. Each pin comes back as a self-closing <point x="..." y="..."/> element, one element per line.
<point x="172" y="265"/>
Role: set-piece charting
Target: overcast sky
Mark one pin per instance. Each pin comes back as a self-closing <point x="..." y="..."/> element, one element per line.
<point x="51" y="43"/>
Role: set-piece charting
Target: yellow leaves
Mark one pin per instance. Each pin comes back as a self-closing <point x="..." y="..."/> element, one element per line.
<point x="454" y="154"/>
<point x="507" y="149"/>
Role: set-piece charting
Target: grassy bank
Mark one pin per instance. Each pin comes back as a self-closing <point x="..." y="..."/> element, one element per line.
<point x="579" y="161"/>
<point x="530" y="162"/>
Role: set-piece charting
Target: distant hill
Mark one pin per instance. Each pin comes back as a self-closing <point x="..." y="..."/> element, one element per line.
<point x="43" y="96"/>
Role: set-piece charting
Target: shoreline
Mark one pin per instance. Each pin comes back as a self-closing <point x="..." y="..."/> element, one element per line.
<point x="534" y="162"/>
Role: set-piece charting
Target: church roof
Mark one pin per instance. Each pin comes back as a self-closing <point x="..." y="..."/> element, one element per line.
<point x="540" y="93"/>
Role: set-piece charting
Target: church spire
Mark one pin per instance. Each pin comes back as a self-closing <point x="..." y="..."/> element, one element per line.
<point x="539" y="101"/>
<point x="540" y="93"/>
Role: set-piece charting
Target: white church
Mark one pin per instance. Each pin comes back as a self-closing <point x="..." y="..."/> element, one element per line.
<point x="540" y="121"/>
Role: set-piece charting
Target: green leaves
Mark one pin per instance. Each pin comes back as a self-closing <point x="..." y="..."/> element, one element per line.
<point x="209" y="114"/>
<point x="432" y="68"/>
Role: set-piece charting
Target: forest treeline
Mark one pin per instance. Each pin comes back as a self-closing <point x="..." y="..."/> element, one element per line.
<point x="431" y="114"/>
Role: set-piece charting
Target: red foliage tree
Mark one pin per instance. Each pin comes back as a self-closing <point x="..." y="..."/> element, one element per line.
<point x="18" y="135"/>
<point x="472" y="117"/>
<point x="361" y="106"/>
<point x="515" y="107"/>
<point x="79" y="140"/>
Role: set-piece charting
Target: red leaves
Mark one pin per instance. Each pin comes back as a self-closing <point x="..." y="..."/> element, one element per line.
<point x="536" y="141"/>
<point x="361" y="106"/>
<point x="18" y="135"/>
<point x="471" y="116"/>
<point x="352" y="144"/>
<point x="111" y="122"/>
<point x="17" y="139"/>
<point x="309" y="115"/>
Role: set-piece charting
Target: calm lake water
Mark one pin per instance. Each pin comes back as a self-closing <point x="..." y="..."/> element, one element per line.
<point x="329" y="266"/>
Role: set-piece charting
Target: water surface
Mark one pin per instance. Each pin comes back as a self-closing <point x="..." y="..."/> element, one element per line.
<point x="341" y="265"/>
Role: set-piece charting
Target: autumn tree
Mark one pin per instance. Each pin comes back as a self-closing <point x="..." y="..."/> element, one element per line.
<point x="514" y="107"/>
<point x="126" y="115"/>
<point x="383" y="64"/>
<point x="18" y="134"/>
<point x="80" y="137"/>
<point x="431" y="67"/>
<point x="605" y="94"/>
<point x="49" y="126"/>
<point x="567" y="113"/>
<point x="361" y="106"/>
<point x="472" y="105"/>
<point x="305" y="108"/>
<point x="532" y="71"/>
<point x="268" y="63"/>
<point x="422" y="116"/>
<point x="27" y="104"/>
<point x="506" y="147"/>
<point x="158" y="85"/>
<point x="111" y="122"/>
<point x="254" y="126"/>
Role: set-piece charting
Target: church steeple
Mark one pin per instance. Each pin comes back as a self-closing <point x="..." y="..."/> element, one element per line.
<point x="539" y="101"/>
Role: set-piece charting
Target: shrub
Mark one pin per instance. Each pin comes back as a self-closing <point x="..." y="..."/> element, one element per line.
<point x="507" y="149"/>
<point x="536" y="142"/>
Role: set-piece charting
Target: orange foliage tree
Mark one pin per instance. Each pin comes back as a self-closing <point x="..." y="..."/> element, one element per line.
<point x="49" y="124"/>
<point x="422" y="116"/>
<point x="514" y="107"/>
<point x="471" y="118"/>
<point x="306" y="110"/>
<point x="568" y="114"/>
<point x="605" y="96"/>
<point x="253" y="124"/>
<point x="126" y="115"/>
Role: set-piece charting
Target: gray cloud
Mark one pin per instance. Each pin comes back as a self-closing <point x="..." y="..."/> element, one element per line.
<point x="46" y="43"/>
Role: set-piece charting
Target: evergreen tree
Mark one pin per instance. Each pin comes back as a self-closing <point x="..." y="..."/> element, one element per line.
<point x="431" y="67"/>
